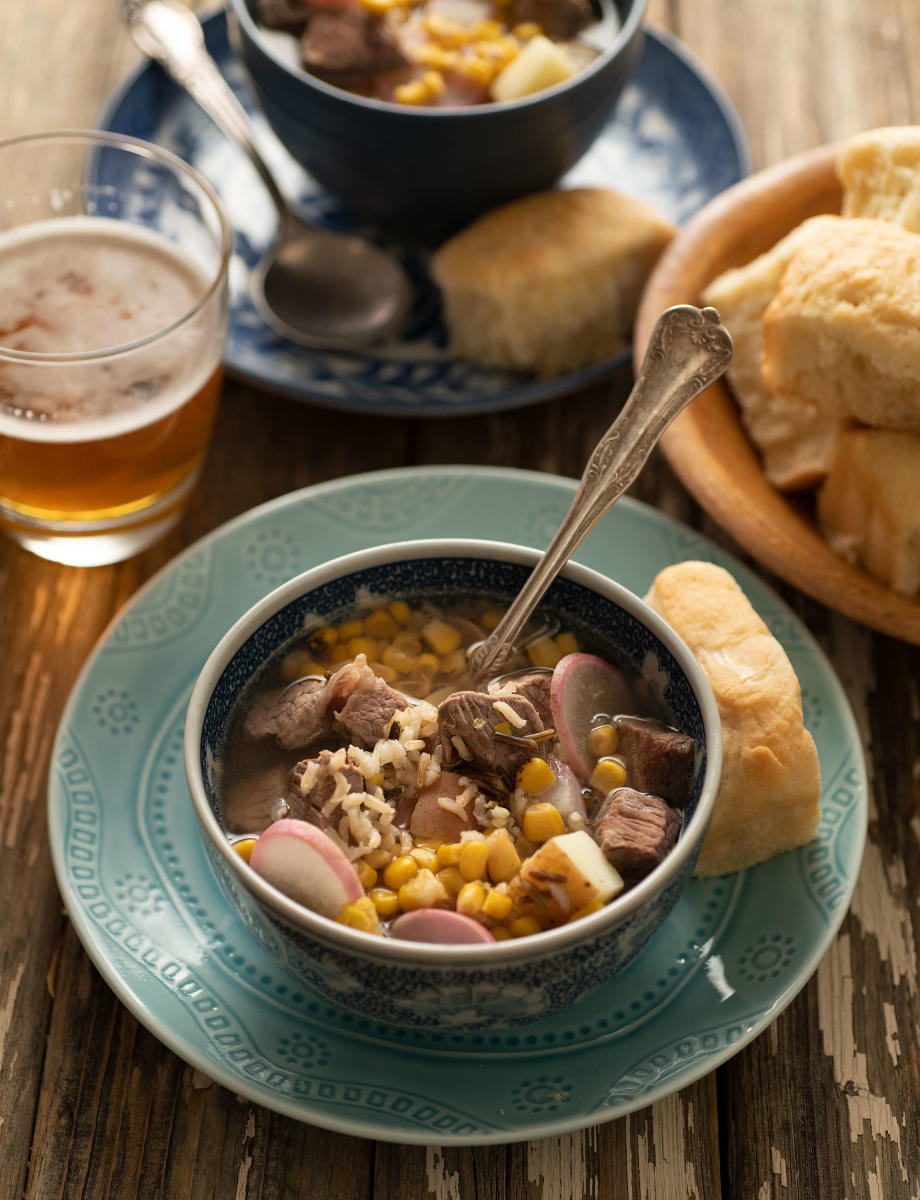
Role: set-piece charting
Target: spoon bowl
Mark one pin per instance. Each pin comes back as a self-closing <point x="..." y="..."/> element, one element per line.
<point x="314" y="286"/>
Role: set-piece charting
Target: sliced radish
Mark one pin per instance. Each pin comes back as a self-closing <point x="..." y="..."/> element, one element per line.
<point x="301" y="861"/>
<point x="584" y="685"/>
<point x="565" y="794"/>
<point x="440" y="925"/>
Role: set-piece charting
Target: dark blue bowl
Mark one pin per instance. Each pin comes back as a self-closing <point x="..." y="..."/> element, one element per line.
<point x="430" y="170"/>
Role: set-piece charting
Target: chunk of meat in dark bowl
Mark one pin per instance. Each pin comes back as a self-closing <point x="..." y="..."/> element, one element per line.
<point x="293" y="716"/>
<point x="660" y="759"/>
<point x="348" y="42"/>
<point x="559" y="19"/>
<point x="306" y="801"/>
<point x="468" y="722"/>
<point x="635" y="831"/>
<point x="535" y="687"/>
<point x="368" y="712"/>
<point x="289" y="15"/>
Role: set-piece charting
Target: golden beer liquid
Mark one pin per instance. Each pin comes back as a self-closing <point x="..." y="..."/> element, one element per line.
<point x="92" y="442"/>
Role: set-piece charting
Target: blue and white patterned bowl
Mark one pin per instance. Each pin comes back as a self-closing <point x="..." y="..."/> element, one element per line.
<point x="454" y="987"/>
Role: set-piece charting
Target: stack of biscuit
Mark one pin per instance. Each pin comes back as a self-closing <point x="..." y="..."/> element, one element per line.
<point x="826" y="369"/>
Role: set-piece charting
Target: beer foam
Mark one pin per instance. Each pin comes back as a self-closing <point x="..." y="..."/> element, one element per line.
<point x="88" y="284"/>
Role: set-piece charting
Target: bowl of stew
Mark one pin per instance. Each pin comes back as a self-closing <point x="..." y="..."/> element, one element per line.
<point x="428" y="848"/>
<point x="405" y="112"/>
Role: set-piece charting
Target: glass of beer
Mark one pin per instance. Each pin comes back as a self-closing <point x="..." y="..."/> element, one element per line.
<point x="113" y="319"/>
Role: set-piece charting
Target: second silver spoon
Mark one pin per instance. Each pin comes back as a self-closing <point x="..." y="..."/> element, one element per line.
<point x="687" y="351"/>
<point x="314" y="286"/>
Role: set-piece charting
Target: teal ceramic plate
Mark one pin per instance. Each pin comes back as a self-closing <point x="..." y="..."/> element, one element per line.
<point x="146" y="907"/>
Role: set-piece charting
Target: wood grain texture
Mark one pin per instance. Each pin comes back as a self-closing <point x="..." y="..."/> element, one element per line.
<point x="823" y="1105"/>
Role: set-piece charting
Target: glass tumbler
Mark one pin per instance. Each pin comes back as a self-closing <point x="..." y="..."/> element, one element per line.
<point x="113" y="319"/>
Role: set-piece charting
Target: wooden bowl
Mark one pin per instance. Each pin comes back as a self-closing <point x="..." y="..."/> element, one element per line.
<point x="707" y="445"/>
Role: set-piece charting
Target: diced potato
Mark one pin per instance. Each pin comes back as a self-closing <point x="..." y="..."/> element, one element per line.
<point x="565" y="874"/>
<point x="540" y="64"/>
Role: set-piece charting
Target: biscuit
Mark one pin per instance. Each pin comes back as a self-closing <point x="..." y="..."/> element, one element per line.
<point x="794" y="436"/>
<point x="551" y="282"/>
<point x="770" y="789"/>
<point x="843" y="331"/>
<point x="869" y="505"/>
<point x="880" y="174"/>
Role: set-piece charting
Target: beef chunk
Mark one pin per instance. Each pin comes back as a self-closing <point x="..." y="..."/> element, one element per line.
<point x="471" y="717"/>
<point x="349" y="41"/>
<point x="560" y="20"/>
<point x="307" y="806"/>
<point x="534" y="686"/>
<point x="290" y="15"/>
<point x="635" y="831"/>
<point x="658" y="759"/>
<point x="368" y="712"/>
<point x="303" y="712"/>
<point x="294" y="716"/>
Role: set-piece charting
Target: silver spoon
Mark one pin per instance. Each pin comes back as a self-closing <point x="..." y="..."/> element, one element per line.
<point x="687" y="351"/>
<point x="314" y="286"/>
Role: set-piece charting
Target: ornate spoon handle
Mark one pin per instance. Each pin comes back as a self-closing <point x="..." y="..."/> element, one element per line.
<point x="688" y="350"/>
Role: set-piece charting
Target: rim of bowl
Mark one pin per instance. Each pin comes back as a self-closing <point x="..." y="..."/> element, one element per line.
<point x="420" y="953"/>
<point x="625" y="34"/>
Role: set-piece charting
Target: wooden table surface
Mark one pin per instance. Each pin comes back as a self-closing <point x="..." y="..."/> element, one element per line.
<point x="823" y="1104"/>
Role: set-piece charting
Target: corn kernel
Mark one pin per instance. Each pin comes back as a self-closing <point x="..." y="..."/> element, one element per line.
<point x="594" y="906"/>
<point x="504" y="862"/>
<point x="500" y="933"/>
<point x="476" y="69"/>
<point x="474" y="857"/>
<point x="361" y="645"/>
<point x="523" y="927"/>
<point x="427" y="663"/>
<point x="542" y="822"/>
<point x="376" y="7"/>
<point x="384" y="672"/>
<point x="399" y="610"/>
<point x="423" y="890"/>
<point x="397" y="659"/>
<point x="350" y="629"/>
<point x="441" y="637"/>
<point x="603" y="740"/>
<point x="385" y="901"/>
<point x="425" y="857"/>
<point x="452" y="880"/>
<point x="449" y="33"/>
<point x="527" y="30"/>
<point x="434" y="83"/>
<point x="470" y="898"/>
<point x="431" y="843"/>
<point x="496" y="905"/>
<point x="380" y="624"/>
<point x="449" y="853"/>
<point x="378" y="858"/>
<point x="453" y="663"/>
<point x="544" y="652"/>
<point x="410" y="93"/>
<point x="609" y="773"/>
<point x="535" y="776"/>
<point x="567" y="642"/>
<point x="244" y="848"/>
<point x="366" y="874"/>
<point x="429" y="55"/>
<point x="360" y="914"/>
<point x="490" y="618"/>
<point x="409" y="642"/>
<point x="486" y="29"/>
<point x="400" y="871"/>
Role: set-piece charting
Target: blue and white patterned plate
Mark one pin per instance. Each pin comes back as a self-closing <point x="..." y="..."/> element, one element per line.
<point x="674" y="141"/>
<point x="139" y="892"/>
